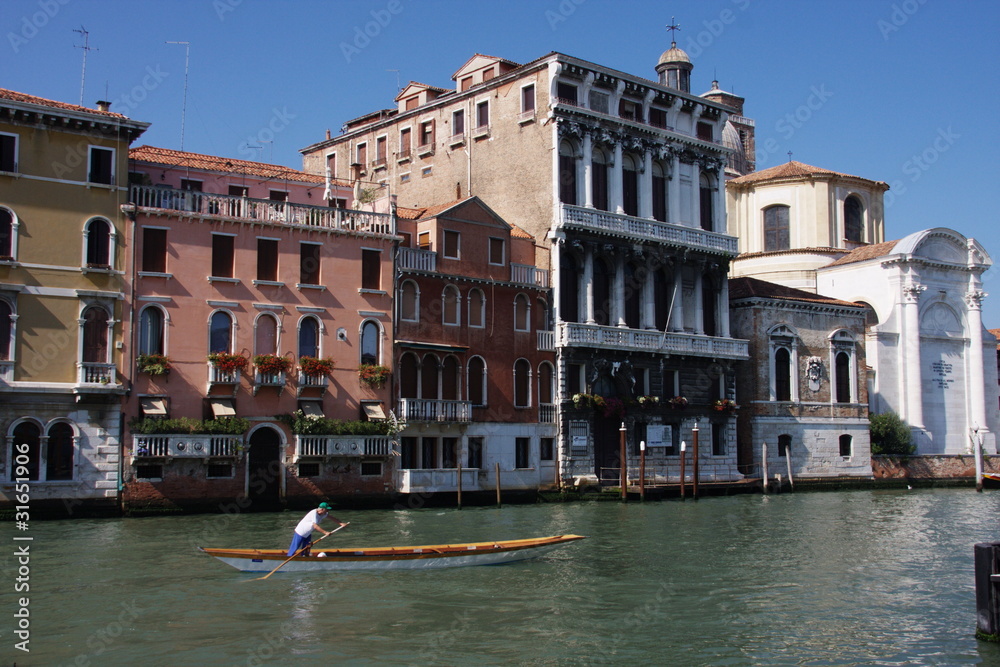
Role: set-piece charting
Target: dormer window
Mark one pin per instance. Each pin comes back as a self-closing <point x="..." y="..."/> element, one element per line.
<point x="466" y="83"/>
<point x="705" y="131"/>
<point x="566" y="92"/>
<point x="411" y="103"/>
<point x="489" y="73"/>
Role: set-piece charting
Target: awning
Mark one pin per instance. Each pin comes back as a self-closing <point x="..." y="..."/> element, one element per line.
<point x="153" y="406"/>
<point x="223" y="407"/>
<point x="373" y="411"/>
<point x="436" y="347"/>
<point x="311" y="408"/>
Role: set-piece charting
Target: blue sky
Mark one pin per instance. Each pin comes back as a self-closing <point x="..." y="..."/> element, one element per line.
<point x="903" y="91"/>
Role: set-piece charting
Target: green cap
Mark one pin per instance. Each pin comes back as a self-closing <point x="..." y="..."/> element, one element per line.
<point x="325" y="506"/>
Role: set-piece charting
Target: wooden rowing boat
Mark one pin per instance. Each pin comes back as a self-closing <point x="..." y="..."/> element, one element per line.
<point x="393" y="558"/>
<point x="991" y="481"/>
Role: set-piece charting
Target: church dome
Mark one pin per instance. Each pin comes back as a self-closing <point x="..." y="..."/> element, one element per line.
<point x="731" y="139"/>
<point x="674" y="55"/>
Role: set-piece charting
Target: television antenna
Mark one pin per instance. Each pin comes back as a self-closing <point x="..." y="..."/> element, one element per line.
<point x="86" y="47"/>
<point x="187" y="59"/>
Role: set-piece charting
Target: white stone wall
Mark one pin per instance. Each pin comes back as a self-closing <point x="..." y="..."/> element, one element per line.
<point x="815" y="446"/>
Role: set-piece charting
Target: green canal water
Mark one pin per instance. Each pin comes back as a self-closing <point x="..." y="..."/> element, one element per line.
<point x="837" y="578"/>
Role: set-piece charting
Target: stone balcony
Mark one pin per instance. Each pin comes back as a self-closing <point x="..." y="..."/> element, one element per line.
<point x="433" y="410"/>
<point x="186" y="446"/>
<point x="572" y="334"/>
<point x="330" y="446"/>
<point x="643" y="229"/>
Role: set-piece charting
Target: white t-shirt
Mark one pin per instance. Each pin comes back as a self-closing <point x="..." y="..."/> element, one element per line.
<point x="305" y="527"/>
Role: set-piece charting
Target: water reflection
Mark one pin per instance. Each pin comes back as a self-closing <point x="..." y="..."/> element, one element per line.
<point x="806" y="579"/>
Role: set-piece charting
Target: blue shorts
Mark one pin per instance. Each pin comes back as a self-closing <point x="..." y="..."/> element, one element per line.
<point x="297" y="543"/>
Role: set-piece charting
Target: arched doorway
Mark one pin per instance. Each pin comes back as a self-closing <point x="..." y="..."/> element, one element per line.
<point x="264" y="470"/>
<point x="607" y="439"/>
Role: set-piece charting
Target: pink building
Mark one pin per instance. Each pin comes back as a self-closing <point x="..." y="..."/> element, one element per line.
<point x="264" y="296"/>
<point x="475" y="354"/>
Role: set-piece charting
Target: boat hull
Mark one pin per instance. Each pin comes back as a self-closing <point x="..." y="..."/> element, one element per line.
<point x="991" y="481"/>
<point x="424" y="557"/>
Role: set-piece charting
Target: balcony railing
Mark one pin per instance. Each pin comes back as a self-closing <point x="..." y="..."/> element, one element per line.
<point x="417" y="259"/>
<point x="572" y="334"/>
<point x="327" y="446"/>
<point x="261" y="210"/>
<point x="546" y="413"/>
<point x="546" y="341"/>
<point x="268" y="380"/>
<point x="6" y="371"/>
<point x="218" y="376"/>
<point x="432" y="410"/>
<point x="93" y="373"/>
<point x="186" y="446"/>
<point x="589" y="219"/>
<point x="529" y="275"/>
<point x="313" y="380"/>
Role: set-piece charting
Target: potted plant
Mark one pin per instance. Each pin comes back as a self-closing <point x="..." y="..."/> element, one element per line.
<point x="648" y="402"/>
<point x="153" y="364"/>
<point x="678" y="402"/>
<point x="271" y="364"/>
<point x="315" y="366"/>
<point x="227" y="363"/>
<point x="582" y="401"/>
<point x="613" y="408"/>
<point x="725" y="404"/>
<point x="372" y="375"/>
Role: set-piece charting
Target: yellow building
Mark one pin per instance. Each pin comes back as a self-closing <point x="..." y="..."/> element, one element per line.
<point x="63" y="179"/>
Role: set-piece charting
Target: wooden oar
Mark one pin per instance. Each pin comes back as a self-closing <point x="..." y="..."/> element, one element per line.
<point x="308" y="546"/>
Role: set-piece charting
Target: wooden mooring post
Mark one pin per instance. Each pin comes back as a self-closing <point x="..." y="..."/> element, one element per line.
<point x="683" y="456"/>
<point x="987" y="559"/>
<point x="763" y="465"/>
<point x="788" y="460"/>
<point x="624" y="462"/>
<point x="694" y="461"/>
<point x="498" y="482"/>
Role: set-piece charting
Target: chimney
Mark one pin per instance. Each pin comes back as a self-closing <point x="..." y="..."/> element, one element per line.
<point x="103" y="105"/>
<point x="328" y="134"/>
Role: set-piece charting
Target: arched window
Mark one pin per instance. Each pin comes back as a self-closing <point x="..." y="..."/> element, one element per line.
<point x="266" y="334"/>
<point x="477" y="381"/>
<point x="659" y="192"/>
<point x="370" y="343"/>
<point x="409" y="301"/>
<point x="599" y="180"/>
<point x="450" y="379"/>
<point x="59" y="452"/>
<point x="784" y="445"/>
<point x="430" y="369"/>
<point x="451" y="311"/>
<point x="546" y="383"/>
<point x="308" y="337"/>
<point x="522" y="383"/>
<point x="842" y="369"/>
<point x="602" y="292"/>
<point x="220" y="337"/>
<point x="98" y="243"/>
<point x="569" y="288"/>
<point x="6" y="329"/>
<point x="635" y="279"/>
<point x="709" y="307"/>
<point x="567" y="173"/>
<point x="8" y="229"/>
<point x="846" y="445"/>
<point x="842" y="352"/>
<point x="477" y="308"/>
<point x="151" y="331"/>
<point x="522" y="310"/>
<point x="706" y="190"/>
<point x="783" y="342"/>
<point x="853" y="219"/>
<point x="630" y="185"/>
<point x="95" y="335"/>
<point x="409" y="376"/>
<point x="26" y="435"/>
<point x="776" y="233"/>
<point x="782" y="374"/>
<point x="543" y="316"/>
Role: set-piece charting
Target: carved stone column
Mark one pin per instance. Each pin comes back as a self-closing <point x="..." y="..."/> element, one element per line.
<point x="911" y="385"/>
<point x="588" y="284"/>
<point x="615" y="178"/>
<point x="588" y="170"/>
<point x="977" y="394"/>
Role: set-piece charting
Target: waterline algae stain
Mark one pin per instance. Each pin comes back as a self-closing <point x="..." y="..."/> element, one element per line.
<point x="847" y="578"/>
